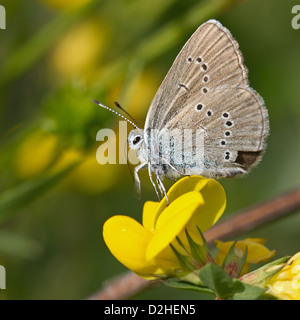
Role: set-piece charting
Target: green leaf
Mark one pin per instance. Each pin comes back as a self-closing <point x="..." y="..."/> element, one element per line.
<point x="183" y="285"/>
<point x="244" y="291"/>
<point x="12" y="200"/>
<point x="226" y="288"/>
<point x="185" y="261"/>
<point x="198" y="252"/>
<point x="205" y="245"/>
<point x="217" y="280"/>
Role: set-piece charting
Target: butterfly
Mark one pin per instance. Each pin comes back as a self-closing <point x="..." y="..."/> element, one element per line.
<point x="205" y="98"/>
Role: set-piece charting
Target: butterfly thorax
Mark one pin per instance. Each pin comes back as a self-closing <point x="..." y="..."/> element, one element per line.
<point x="154" y="152"/>
<point x="137" y="141"/>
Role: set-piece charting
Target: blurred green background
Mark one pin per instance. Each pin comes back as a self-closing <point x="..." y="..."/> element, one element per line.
<point x="56" y="57"/>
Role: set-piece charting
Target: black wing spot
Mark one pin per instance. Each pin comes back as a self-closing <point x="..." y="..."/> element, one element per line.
<point x="247" y="158"/>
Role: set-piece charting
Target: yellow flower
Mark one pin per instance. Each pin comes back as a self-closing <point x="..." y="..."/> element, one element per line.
<point x="88" y="177"/>
<point x="285" y="284"/>
<point x="79" y="50"/>
<point x="35" y="154"/>
<point x="257" y="252"/>
<point x="194" y="201"/>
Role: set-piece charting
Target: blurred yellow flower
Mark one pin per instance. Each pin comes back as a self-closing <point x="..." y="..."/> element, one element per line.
<point x="194" y="201"/>
<point x="257" y="252"/>
<point x="67" y="5"/>
<point x="66" y="158"/>
<point x="35" y="154"/>
<point x="285" y="284"/>
<point x="91" y="178"/>
<point x="142" y="93"/>
<point x="88" y="177"/>
<point x="79" y="50"/>
<point x="137" y="96"/>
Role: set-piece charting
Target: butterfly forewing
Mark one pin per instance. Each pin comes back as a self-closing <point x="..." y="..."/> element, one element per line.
<point x="210" y="58"/>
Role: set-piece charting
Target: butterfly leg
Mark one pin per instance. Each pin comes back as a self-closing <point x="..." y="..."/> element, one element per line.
<point x="169" y="164"/>
<point x="161" y="187"/>
<point x="151" y="179"/>
<point x="136" y="177"/>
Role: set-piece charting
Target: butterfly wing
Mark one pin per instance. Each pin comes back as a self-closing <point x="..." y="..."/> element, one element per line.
<point x="212" y="51"/>
<point x="207" y="87"/>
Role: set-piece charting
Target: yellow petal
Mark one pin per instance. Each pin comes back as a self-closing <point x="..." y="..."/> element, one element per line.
<point x="285" y="284"/>
<point x="257" y="240"/>
<point x="295" y="259"/>
<point x="290" y="270"/>
<point x="215" y="203"/>
<point x="172" y="220"/>
<point x="284" y="290"/>
<point x="127" y="240"/>
<point x="256" y="251"/>
<point x="184" y="185"/>
<point x="149" y="215"/>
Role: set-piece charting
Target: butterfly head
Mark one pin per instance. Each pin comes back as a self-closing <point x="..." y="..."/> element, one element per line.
<point x="136" y="138"/>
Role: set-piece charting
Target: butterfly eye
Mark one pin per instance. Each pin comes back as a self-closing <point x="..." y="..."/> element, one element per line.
<point x="136" y="140"/>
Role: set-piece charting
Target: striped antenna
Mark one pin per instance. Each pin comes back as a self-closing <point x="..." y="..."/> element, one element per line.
<point x="118" y="105"/>
<point x="115" y="112"/>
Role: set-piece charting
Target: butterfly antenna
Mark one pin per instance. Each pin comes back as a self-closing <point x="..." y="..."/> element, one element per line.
<point x="118" y="105"/>
<point x="117" y="113"/>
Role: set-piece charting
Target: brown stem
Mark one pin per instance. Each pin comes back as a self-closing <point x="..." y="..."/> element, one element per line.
<point x="129" y="284"/>
<point x="121" y="287"/>
<point x="255" y="216"/>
